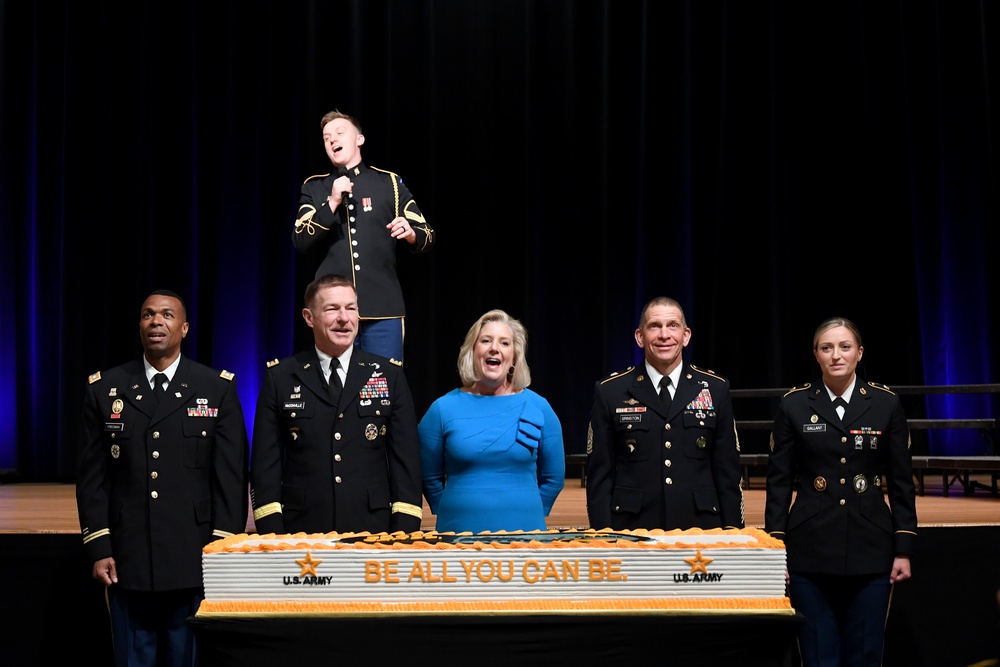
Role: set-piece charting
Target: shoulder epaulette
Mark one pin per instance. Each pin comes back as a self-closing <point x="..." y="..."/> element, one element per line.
<point x="619" y="374"/>
<point x="316" y="176"/>
<point x="273" y="363"/>
<point x="801" y="387"/>
<point x="385" y="171"/>
<point x="96" y="377"/>
<point x="396" y="363"/>
<point x="878" y="385"/>
<point x="226" y="375"/>
<point x="708" y="372"/>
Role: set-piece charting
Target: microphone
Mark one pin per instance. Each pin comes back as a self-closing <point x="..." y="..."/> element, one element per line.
<point x="344" y="197"/>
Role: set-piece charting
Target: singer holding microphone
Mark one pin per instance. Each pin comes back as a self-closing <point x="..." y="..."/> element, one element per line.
<point x="350" y="223"/>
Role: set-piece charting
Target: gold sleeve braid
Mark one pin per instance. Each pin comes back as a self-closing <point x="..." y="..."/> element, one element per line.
<point x="408" y="508"/>
<point x="266" y="510"/>
<point x="103" y="532"/>
<point x="304" y="223"/>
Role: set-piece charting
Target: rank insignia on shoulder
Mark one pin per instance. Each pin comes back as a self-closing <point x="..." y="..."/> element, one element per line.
<point x="226" y="375"/>
<point x="706" y="371"/>
<point x="396" y="363"/>
<point x="799" y="388"/>
<point x="273" y="363"/>
<point x="96" y="377"/>
<point x="879" y="385"/>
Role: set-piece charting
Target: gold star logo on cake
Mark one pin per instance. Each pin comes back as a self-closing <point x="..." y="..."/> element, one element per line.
<point x="698" y="563"/>
<point x="308" y="564"/>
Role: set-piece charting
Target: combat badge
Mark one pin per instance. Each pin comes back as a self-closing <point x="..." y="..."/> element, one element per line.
<point x="819" y="484"/>
<point x="700" y="442"/>
<point x="371" y="431"/>
<point x="115" y="451"/>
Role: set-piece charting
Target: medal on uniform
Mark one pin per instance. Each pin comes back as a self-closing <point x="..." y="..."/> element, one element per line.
<point x="860" y="483"/>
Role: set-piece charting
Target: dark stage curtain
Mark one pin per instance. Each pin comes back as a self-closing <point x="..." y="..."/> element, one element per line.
<point x="767" y="164"/>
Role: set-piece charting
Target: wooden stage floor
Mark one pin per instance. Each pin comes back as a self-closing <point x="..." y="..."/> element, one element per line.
<point x="51" y="508"/>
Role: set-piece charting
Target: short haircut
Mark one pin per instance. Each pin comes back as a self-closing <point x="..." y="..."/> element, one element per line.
<point x="334" y="115"/>
<point x="173" y="295"/>
<point x="664" y="301"/>
<point x="521" y="377"/>
<point x="329" y="280"/>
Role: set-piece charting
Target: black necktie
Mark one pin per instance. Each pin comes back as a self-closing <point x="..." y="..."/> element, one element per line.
<point x="840" y="402"/>
<point x="334" y="382"/>
<point x="665" y="392"/>
<point x="158" y="381"/>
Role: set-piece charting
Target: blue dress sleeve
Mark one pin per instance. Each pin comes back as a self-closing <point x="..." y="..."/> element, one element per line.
<point x="551" y="455"/>
<point x="431" y="432"/>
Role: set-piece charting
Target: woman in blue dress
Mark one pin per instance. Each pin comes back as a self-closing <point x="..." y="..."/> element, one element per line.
<point x="492" y="450"/>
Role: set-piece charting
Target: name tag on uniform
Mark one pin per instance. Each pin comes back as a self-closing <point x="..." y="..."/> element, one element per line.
<point x="114" y="427"/>
<point x="295" y="405"/>
<point x="813" y="428"/>
<point x="629" y="419"/>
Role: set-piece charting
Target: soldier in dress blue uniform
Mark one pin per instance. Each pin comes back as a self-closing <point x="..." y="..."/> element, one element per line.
<point x="350" y="223"/>
<point x="158" y="478"/>
<point x="326" y="458"/>
<point x="663" y="456"/>
<point x="847" y="444"/>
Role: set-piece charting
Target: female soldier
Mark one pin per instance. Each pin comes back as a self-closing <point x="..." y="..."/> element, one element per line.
<point x="846" y="442"/>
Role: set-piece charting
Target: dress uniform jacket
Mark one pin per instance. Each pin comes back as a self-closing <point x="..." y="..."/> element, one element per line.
<point x="362" y="250"/>
<point x="839" y="522"/>
<point x="157" y="482"/>
<point x="318" y="467"/>
<point x="648" y="468"/>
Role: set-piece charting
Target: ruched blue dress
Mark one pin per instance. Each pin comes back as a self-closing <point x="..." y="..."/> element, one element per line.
<point x="491" y="463"/>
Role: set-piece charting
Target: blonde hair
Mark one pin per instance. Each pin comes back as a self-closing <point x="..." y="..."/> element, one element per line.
<point x="521" y="376"/>
<point x="832" y="323"/>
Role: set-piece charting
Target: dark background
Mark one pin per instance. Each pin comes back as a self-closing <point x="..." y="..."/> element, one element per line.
<point x="768" y="164"/>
